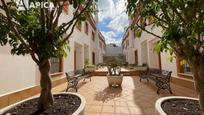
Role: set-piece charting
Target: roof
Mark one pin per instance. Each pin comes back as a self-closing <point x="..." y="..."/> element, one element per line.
<point x="101" y="37"/>
<point x="134" y="21"/>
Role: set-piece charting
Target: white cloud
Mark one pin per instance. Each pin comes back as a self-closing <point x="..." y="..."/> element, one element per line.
<point x="119" y="23"/>
<point x="110" y="9"/>
<point x="115" y="11"/>
<point x="109" y="37"/>
<point x="106" y="9"/>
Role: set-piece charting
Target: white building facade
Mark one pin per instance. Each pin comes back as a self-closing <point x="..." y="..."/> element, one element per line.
<point x="20" y="72"/>
<point x="140" y="51"/>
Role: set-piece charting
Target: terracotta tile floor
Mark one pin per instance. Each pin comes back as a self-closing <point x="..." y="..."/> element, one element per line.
<point x="134" y="98"/>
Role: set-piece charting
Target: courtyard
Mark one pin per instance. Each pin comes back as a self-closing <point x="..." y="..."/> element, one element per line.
<point x="133" y="98"/>
<point x="116" y="43"/>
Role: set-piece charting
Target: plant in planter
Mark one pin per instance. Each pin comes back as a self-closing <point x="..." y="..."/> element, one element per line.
<point x="112" y="65"/>
<point x="86" y="62"/>
<point x="36" y="31"/>
<point x="114" y="75"/>
<point x="131" y="66"/>
<point x="181" y="22"/>
<point x="90" y="68"/>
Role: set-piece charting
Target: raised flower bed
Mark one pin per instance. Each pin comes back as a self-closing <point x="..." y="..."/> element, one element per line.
<point x="65" y="103"/>
<point x="178" y="105"/>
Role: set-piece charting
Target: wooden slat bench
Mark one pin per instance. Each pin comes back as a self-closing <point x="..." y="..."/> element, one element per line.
<point x="160" y="77"/>
<point x="74" y="77"/>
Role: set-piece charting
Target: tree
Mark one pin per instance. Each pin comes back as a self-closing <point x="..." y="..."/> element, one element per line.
<point x="182" y="25"/>
<point x="36" y="31"/>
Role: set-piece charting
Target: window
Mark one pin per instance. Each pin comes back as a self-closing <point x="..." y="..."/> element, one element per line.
<point x="55" y="65"/>
<point x="78" y="26"/>
<point x="183" y="70"/>
<point x="136" y="57"/>
<point x="93" y="36"/>
<point x="127" y="44"/>
<point x="93" y="58"/>
<point x="86" y="28"/>
<point x="187" y="69"/>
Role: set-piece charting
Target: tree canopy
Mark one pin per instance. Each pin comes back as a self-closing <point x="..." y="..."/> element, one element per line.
<point x="36" y="31"/>
<point x="181" y="22"/>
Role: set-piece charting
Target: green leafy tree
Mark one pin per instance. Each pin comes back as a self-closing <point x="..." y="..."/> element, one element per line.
<point x="38" y="33"/>
<point x="182" y="25"/>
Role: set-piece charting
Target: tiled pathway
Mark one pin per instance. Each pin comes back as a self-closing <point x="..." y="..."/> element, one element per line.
<point x="134" y="98"/>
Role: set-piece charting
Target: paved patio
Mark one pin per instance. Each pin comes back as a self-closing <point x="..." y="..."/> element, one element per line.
<point x="135" y="98"/>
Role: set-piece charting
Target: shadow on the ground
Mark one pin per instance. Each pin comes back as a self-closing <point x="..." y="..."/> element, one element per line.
<point x="141" y="99"/>
<point x="81" y="84"/>
<point x="109" y="93"/>
<point x="152" y="86"/>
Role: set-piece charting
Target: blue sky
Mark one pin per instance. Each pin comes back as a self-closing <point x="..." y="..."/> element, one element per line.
<point x="112" y="20"/>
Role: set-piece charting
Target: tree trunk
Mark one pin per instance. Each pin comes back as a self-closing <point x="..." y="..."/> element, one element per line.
<point x="46" y="99"/>
<point x="198" y="71"/>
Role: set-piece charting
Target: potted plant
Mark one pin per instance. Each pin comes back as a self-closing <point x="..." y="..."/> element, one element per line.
<point x="142" y="67"/>
<point x="90" y="68"/>
<point x="181" y="25"/>
<point x="114" y="75"/>
<point x="36" y="31"/>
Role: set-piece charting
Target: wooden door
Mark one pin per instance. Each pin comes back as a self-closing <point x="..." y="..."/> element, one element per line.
<point x="136" y="57"/>
<point x="93" y="58"/>
<point x="159" y="59"/>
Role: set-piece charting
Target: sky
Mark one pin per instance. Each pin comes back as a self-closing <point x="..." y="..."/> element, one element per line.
<point x="112" y="20"/>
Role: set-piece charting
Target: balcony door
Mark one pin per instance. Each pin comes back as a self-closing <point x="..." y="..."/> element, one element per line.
<point x="93" y="58"/>
<point x="136" y="57"/>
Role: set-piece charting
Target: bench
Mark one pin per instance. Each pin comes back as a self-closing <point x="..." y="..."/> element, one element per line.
<point x="74" y="77"/>
<point x="161" y="78"/>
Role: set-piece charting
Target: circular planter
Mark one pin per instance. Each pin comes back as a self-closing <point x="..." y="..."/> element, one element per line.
<point x="79" y="111"/>
<point x="160" y="101"/>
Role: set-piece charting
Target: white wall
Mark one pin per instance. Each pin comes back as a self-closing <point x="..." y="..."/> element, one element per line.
<point x="69" y="60"/>
<point x="16" y="72"/>
<point x="151" y="56"/>
<point x="167" y="65"/>
<point x="144" y="53"/>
